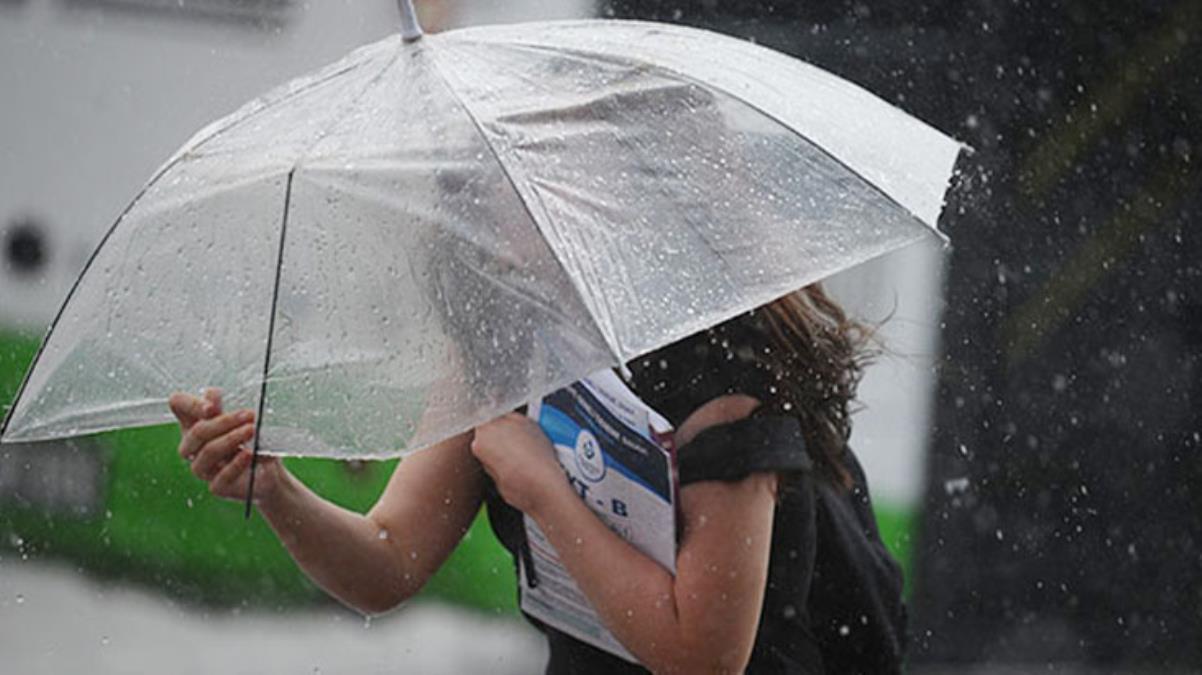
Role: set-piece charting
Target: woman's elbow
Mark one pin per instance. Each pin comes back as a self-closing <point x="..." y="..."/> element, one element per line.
<point x="375" y="604"/>
<point x="374" y="608"/>
<point x="699" y="665"/>
<point x="382" y="595"/>
<point x="702" y="658"/>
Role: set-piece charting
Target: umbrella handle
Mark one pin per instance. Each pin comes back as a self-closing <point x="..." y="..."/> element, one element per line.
<point x="250" y="487"/>
<point x="411" y="30"/>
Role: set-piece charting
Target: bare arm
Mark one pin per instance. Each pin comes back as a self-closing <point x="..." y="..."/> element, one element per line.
<point x="702" y="620"/>
<point x="374" y="562"/>
<point x="371" y="562"/>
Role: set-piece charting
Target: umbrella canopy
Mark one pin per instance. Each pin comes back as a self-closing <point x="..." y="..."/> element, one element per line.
<point x="434" y="230"/>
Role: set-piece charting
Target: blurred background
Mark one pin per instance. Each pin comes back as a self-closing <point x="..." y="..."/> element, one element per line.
<point x="1032" y="437"/>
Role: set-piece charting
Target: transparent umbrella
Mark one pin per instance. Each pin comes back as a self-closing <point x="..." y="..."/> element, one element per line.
<point x="437" y="228"/>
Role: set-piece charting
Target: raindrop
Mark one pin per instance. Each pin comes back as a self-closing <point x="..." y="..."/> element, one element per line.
<point x="104" y="640"/>
<point x="20" y="599"/>
<point x="383" y="534"/>
<point x="845" y="630"/>
<point x="955" y="486"/>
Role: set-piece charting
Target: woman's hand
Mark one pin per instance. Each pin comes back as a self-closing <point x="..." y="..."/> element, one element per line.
<point x="215" y="446"/>
<point x="372" y="562"/>
<point x="520" y="459"/>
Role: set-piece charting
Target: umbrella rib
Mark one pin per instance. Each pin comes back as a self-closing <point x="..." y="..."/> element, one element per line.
<point x="275" y="298"/>
<point x="606" y="328"/>
<point x="275" y="293"/>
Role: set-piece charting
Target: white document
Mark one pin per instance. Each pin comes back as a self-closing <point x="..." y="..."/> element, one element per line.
<point x="617" y="454"/>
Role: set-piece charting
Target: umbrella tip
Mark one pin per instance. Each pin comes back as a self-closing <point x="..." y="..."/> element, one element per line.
<point x="411" y="29"/>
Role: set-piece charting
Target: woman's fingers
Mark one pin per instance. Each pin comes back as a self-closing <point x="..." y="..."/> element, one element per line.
<point x="188" y="409"/>
<point x="212" y="397"/>
<point x="226" y="482"/>
<point x="218" y="451"/>
<point x="212" y="442"/>
<point x="206" y="430"/>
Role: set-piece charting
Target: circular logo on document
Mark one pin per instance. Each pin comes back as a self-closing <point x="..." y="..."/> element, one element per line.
<point x="589" y="459"/>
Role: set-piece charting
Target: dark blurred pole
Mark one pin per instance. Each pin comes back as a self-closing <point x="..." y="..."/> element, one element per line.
<point x="1070" y="390"/>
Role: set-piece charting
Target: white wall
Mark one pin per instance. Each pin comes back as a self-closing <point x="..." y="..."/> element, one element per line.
<point x="91" y="101"/>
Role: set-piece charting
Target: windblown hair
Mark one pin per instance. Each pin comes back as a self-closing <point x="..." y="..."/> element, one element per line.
<point x="816" y="356"/>
<point x="800" y="356"/>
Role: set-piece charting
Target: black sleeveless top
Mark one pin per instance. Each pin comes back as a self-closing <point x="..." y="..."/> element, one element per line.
<point x="833" y="602"/>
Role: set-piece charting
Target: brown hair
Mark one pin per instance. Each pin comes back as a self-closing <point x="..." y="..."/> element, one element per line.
<point x="816" y="356"/>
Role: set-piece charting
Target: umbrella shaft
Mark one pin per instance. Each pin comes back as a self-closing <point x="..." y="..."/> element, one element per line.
<point x="411" y="29"/>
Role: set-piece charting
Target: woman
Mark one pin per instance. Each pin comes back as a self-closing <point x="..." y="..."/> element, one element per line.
<point x="779" y="569"/>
